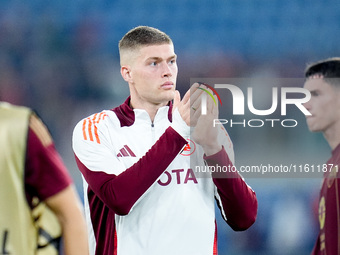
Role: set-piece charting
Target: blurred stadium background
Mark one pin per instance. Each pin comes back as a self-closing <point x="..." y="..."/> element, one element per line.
<point x="61" y="58"/>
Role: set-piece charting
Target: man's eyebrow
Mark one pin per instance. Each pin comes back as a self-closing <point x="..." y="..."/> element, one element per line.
<point x="159" y="58"/>
<point x="153" y="58"/>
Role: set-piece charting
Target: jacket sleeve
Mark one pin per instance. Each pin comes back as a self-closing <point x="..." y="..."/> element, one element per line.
<point x="117" y="187"/>
<point x="45" y="173"/>
<point x="236" y="200"/>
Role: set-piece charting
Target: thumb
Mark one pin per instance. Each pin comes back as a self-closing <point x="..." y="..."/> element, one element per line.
<point x="177" y="99"/>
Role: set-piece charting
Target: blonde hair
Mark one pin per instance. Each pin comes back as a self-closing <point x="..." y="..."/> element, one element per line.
<point x="138" y="37"/>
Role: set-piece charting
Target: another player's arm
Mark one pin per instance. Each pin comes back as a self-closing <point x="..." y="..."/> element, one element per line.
<point x="67" y="208"/>
<point x="47" y="178"/>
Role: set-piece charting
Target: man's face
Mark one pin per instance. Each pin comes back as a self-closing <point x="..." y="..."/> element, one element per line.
<point x="324" y="105"/>
<point x="153" y="74"/>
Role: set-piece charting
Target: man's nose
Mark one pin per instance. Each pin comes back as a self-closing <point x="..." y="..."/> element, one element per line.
<point x="307" y="105"/>
<point x="166" y="70"/>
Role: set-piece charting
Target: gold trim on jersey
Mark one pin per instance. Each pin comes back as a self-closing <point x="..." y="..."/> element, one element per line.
<point x="40" y="130"/>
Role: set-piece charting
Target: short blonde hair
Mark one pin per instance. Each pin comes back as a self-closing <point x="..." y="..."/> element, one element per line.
<point x="143" y="36"/>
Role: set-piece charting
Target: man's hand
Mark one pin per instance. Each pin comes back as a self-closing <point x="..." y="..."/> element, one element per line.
<point x="205" y="134"/>
<point x="189" y="106"/>
<point x="190" y="110"/>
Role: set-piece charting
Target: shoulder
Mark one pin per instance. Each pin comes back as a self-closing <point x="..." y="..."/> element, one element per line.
<point x="10" y="112"/>
<point x="40" y="130"/>
<point x="89" y="128"/>
<point x="4" y="106"/>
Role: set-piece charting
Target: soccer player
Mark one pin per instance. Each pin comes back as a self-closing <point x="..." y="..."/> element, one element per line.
<point x="142" y="194"/>
<point x="322" y="80"/>
<point x="39" y="205"/>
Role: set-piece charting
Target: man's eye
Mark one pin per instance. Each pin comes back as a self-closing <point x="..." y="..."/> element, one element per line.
<point x="153" y="63"/>
<point x="172" y="61"/>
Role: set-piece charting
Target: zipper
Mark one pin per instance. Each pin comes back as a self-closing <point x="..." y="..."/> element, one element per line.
<point x="153" y="132"/>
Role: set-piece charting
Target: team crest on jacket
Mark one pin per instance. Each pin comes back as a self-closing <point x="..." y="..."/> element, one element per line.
<point x="189" y="149"/>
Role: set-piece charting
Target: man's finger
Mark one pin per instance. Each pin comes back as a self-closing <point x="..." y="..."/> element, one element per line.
<point x="195" y="93"/>
<point x="177" y="99"/>
<point x="186" y="97"/>
<point x="215" y="109"/>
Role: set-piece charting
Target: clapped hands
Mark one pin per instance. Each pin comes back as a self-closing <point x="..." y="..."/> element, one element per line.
<point x="200" y="120"/>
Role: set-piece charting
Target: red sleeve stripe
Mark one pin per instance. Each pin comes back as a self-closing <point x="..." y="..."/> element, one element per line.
<point x="90" y="130"/>
<point x="95" y="127"/>
<point x="84" y="130"/>
<point x="215" y="250"/>
<point x="115" y="242"/>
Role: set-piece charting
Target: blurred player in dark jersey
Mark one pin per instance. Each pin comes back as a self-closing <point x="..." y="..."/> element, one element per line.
<point x="38" y="203"/>
<point x="323" y="81"/>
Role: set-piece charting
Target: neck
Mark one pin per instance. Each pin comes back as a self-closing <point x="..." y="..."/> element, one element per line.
<point x="332" y="135"/>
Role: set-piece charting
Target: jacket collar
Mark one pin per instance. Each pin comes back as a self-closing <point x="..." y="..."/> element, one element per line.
<point x="127" y="115"/>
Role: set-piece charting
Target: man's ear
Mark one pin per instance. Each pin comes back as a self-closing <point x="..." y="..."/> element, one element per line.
<point x="126" y="73"/>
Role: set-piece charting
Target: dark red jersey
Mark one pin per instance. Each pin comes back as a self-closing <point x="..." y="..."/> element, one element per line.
<point x="329" y="209"/>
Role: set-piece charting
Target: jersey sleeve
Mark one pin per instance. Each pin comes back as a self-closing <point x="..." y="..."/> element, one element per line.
<point x="117" y="186"/>
<point x="236" y="200"/>
<point x="45" y="172"/>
